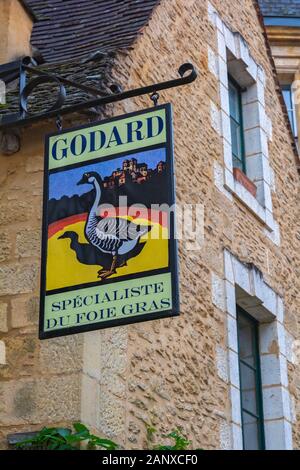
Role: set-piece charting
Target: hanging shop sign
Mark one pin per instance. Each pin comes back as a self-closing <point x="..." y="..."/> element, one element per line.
<point x="109" y="252"/>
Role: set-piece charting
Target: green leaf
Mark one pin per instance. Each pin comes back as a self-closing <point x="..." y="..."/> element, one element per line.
<point x="63" y="432"/>
<point x="80" y="428"/>
<point x="77" y="438"/>
<point x="104" y="443"/>
<point x="53" y="446"/>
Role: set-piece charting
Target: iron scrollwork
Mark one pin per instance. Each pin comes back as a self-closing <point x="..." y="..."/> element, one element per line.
<point x="100" y="98"/>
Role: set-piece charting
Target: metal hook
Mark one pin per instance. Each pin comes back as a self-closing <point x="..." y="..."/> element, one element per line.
<point x="58" y="123"/>
<point x="155" y="97"/>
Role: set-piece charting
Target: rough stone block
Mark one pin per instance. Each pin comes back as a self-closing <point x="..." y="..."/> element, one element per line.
<point x="48" y="399"/>
<point x="51" y="409"/>
<point x="24" y="311"/>
<point x="3" y="317"/>
<point x="28" y="243"/>
<point x="5" y="245"/>
<point x="62" y="355"/>
<point x="111" y="417"/>
<point x="225" y="436"/>
<point x="15" y="211"/>
<point x="218" y="294"/>
<point x="34" y="164"/>
<point x="18" y="278"/>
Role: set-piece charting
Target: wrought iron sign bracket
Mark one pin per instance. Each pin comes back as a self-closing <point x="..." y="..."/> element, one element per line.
<point x="100" y="98"/>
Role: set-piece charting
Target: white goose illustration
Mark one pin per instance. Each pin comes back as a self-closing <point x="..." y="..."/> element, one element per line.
<point x="112" y="235"/>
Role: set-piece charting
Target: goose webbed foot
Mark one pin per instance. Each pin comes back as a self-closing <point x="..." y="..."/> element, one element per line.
<point x="103" y="274"/>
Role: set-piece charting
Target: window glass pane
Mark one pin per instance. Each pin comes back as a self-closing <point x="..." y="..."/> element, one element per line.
<point x="287" y="96"/>
<point x="248" y="388"/>
<point x="251" y="432"/>
<point x="236" y="125"/>
<point x="234" y="104"/>
<point x="236" y="142"/>
<point x="237" y="163"/>
<point x="291" y="118"/>
<point x="250" y="383"/>
<point x="245" y="331"/>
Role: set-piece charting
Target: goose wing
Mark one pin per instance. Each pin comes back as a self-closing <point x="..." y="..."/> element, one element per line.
<point x="106" y="234"/>
<point x="118" y="228"/>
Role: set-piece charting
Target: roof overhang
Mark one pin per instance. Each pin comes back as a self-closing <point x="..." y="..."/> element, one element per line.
<point x="29" y="10"/>
<point x="287" y="21"/>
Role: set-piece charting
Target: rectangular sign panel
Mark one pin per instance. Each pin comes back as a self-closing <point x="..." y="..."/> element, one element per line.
<point x="109" y="252"/>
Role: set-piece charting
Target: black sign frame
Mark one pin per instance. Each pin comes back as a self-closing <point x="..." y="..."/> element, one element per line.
<point x="172" y="242"/>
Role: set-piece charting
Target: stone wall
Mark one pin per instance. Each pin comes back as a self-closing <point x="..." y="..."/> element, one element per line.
<point x="171" y="372"/>
<point x="175" y="372"/>
<point x="16" y="27"/>
<point x="40" y="382"/>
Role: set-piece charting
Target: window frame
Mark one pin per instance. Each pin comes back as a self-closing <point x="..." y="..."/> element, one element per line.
<point x="289" y="87"/>
<point x="238" y="88"/>
<point x="240" y="312"/>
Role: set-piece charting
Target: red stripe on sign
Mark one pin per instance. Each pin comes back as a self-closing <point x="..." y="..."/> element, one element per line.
<point x="61" y="224"/>
<point x="158" y="217"/>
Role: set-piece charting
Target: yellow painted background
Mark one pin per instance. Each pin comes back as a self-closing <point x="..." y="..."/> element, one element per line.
<point x="64" y="270"/>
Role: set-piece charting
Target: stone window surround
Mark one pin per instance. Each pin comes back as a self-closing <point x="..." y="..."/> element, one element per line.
<point x="233" y="55"/>
<point x="244" y="285"/>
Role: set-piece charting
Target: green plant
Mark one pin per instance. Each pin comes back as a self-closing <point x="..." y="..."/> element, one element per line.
<point x="65" y="439"/>
<point x="180" y="442"/>
<point x="150" y="433"/>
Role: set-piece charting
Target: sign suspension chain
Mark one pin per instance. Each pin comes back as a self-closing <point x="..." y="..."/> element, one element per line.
<point x="58" y="123"/>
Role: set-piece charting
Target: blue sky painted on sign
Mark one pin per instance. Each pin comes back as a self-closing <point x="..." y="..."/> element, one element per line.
<point x="64" y="183"/>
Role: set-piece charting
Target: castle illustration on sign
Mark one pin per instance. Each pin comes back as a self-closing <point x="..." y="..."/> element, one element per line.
<point x="134" y="172"/>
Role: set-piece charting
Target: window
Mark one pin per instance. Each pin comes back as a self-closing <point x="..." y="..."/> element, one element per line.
<point x="250" y="382"/>
<point x="289" y="102"/>
<point x="236" y="125"/>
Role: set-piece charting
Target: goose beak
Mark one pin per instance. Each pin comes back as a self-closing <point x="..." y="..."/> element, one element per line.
<point x="82" y="181"/>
